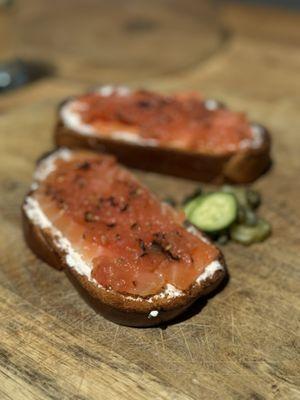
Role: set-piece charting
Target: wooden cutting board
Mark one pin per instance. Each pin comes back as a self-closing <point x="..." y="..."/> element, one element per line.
<point x="242" y="343"/>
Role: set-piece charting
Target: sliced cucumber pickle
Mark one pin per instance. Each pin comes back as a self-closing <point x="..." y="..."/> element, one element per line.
<point x="213" y="212"/>
<point x="246" y="234"/>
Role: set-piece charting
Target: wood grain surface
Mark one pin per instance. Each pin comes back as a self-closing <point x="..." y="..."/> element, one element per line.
<point x="242" y="343"/>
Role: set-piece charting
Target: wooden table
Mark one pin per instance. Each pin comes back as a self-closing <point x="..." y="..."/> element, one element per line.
<point x="244" y="343"/>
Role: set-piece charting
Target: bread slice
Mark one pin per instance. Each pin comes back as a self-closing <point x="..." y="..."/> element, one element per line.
<point x="49" y="241"/>
<point x="136" y="147"/>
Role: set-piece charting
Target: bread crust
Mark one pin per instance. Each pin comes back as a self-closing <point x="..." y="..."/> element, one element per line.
<point x="117" y="307"/>
<point x="243" y="166"/>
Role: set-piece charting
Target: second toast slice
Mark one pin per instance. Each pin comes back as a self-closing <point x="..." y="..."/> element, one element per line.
<point x="182" y="134"/>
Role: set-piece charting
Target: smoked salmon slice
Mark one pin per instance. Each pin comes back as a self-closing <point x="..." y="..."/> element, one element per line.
<point x="184" y="122"/>
<point x="123" y="239"/>
<point x="181" y="134"/>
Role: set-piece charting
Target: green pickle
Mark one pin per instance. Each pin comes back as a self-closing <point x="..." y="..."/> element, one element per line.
<point x="247" y="234"/>
<point x="229" y="213"/>
<point x="213" y="212"/>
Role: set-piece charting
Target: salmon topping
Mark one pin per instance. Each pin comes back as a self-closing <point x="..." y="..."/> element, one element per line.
<point x="134" y="243"/>
<point x="184" y="122"/>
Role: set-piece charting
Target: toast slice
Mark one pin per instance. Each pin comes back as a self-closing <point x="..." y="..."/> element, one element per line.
<point x="129" y="255"/>
<point x="182" y="135"/>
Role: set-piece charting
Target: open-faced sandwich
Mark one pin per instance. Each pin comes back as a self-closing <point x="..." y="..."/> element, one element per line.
<point x="182" y="134"/>
<point x="132" y="256"/>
